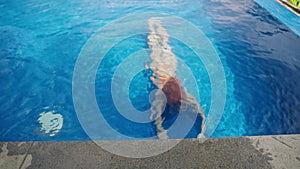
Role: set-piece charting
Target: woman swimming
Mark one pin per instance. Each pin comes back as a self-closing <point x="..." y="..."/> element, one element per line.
<point x="163" y="66"/>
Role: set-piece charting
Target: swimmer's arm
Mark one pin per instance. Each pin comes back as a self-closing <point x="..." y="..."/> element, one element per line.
<point x="203" y="127"/>
<point x="161" y="132"/>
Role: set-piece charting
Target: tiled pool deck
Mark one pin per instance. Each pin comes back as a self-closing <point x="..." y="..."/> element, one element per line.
<point x="281" y="151"/>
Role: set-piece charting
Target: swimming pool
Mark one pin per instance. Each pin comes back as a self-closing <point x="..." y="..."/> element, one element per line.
<point x="40" y="42"/>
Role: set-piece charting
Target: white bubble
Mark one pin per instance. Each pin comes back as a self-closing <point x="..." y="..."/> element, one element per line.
<point x="51" y="122"/>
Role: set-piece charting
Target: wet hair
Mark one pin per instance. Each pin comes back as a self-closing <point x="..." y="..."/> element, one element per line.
<point x="172" y="89"/>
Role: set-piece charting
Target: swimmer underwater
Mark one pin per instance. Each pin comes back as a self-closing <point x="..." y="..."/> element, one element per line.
<point x="163" y="66"/>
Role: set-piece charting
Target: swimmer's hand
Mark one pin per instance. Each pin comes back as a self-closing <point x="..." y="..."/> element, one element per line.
<point x="163" y="135"/>
<point x="201" y="135"/>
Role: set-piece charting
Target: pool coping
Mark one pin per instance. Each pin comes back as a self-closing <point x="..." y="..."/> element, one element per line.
<point x="279" y="151"/>
<point x="289" y="6"/>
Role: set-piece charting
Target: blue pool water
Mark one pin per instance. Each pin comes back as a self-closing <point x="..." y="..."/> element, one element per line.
<point x="41" y="40"/>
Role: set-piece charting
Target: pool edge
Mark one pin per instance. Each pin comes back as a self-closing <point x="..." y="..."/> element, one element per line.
<point x="290" y="6"/>
<point x="284" y="15"/>
<point x="274" y="151"/>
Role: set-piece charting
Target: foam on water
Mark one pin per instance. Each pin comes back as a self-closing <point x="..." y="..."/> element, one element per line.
<point x="51" y="122"/>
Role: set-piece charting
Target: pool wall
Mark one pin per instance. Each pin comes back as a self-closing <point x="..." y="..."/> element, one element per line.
<point x="281" y="13"/>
